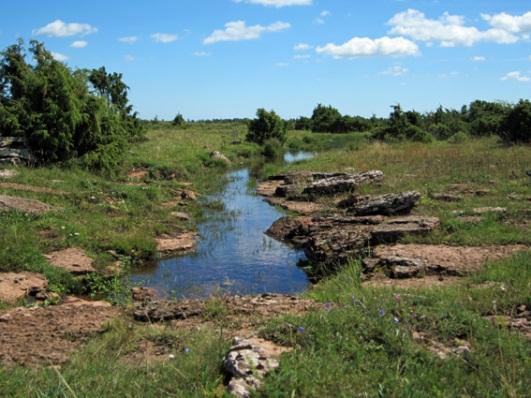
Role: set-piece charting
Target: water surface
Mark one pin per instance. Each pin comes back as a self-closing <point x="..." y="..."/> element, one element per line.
<point x="233" y="254"/>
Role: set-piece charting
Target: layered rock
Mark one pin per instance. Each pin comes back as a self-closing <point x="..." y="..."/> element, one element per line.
<point x="389" y="204"/>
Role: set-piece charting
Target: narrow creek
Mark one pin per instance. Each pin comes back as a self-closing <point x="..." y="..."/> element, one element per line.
<point x="233" y="256"/>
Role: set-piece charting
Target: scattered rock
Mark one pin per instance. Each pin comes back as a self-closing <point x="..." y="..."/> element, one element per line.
<point x="15" y="286"/>
<point x="519" y="321"/>
<point x="295" y="206"/>
<point x="412" y="260"/>
<point x="181" y="216"/>
<point x="458" y="347"/>
<point x="481" y="211"/>
<point x="389" y="204"/>
<point x="14" y="150"/>
<point x="30" y="188"/>
<point x="24" y="205"/>
<point x="188" y="195"/>
<point x="144" y="294"/>
<point x="248" y="362"/>
<point x="137" y="174"/>
<point x="182" y="243"/>
<point x="268" y="188"/>
<point x="44" y="336"/>
<point x="515" y="196"/>
<point x="339" y="184"/>
<point x="446" y="196"/>
<point x="8" y="173"/>
<point x="72" y="260"/>
<point x="219" y="157"/>
<point x="470" y="219"/>
<point x="466" y="189"/>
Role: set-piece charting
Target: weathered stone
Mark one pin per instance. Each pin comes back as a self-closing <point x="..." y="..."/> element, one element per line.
<point x="181" y="243"/>
<point x="393" y="229"/>
<point x="14" y="155"/>
<point x="248" y="362"/>
<point x="219" y="157"/>
<point x="340" y="184"/>
<point x="15" y="286"/>
<point x="302" y="207"/>
<point x="181" y="215"/>
<point x="30" y="188"/>
<point x="72" y="260"/>
<point x="166" y="310"/>
<point x="24" y="205"/>
<point x="12" y="142"/>
<point x="144" y="294"/>
<point x="389" y="204"/>
<point x="8" y="173"/>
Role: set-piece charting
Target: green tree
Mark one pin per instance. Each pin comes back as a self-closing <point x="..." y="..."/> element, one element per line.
<point x="516" y="126"/>
<point x="325" y="119"/>
<point x="178" y="120"/>
<point x="267" y="125"/>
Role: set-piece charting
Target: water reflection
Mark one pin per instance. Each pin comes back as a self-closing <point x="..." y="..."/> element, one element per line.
<point x="233" y="255"/>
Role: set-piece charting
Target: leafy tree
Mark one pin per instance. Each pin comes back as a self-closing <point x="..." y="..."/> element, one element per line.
<point x="400" y="127"/>
<point x="53" y="108"/>
<point x="178" y="120"/>
<point x="485" y="118"/>
<point x="325" y="119"/>
<point x="303" y="123"/>
<point x="267" y="125"/>
<point x="516" y="126"/>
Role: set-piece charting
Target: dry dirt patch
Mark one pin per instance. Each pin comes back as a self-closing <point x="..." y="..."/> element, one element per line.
<point x="72" y="260"/>
<point x="30" y="188"/>
<point x="17" y="285"/>
<point x="24" y="205"/>
<point x="43" y="336"/>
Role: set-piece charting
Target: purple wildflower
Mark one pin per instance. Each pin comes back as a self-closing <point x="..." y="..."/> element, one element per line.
<point x="381" y="312"/>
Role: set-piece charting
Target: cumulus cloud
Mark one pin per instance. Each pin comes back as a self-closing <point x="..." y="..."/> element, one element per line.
<point x="79" y="44"/>
<point x="277" y="3"/>
<point x="518" y="24"/>
<point x="365" y="46"/>
<point x="396" y="71"/>
<point x="164" y="37"/>
<point x="59" y="57"/>
<point x="321" y="19"/>
<point x="448" y="30"/>
<point x="478" y="58"/>
<point x="238" y="31"/>
<point x="128" y="39"/>
<point x="516" y="76"/>
<point x="59" y="28"/>
<point x="302" y="47"/>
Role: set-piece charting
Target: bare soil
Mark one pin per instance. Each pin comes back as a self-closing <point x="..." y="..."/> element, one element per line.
<point x="15" y="286"/>
<point x="44" y="336"/>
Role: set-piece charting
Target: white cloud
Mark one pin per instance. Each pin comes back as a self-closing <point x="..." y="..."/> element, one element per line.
<point x="517" y="76"/>
<point x="277" y="3"/>
<point x="164" y="37"/>
<point x="59" y="57"/>
<point x="238" y="30"/>
<point x="510" y="23"/>
<point x="478" y="58"/>
<point x="59" y="28"/>
<point x="302" y="47"/>
<point x="129" y="58"/>
<point x="448" y="30"/>
<point x="128" y="39"/>
<point x="321" y="19"/>
<point x="365" y="46"/>
<point x="201" y="54"/>
<point x="302" y="56"/>
<point x="79" y="44"/>
<point x="396" y="71"/>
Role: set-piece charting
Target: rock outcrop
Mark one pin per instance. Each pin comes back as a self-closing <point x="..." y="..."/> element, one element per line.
<point x="15" y="286"/>
<point x="24" y="205"/>
<point x="14" y="150"/>
<point x="388" y="205"/>
<point x="72" y="260"/>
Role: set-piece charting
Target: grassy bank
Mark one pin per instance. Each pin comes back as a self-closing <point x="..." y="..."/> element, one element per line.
<point x="361" y="342"/>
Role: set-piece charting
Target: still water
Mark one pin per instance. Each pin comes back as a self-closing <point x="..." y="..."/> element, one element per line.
<point x="233" y="255"/>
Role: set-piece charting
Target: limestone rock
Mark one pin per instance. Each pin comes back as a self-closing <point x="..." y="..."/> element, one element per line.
<point x="389" y="204"/>
<point x="181" y="243"/>
<point x="24" y="205"/>
<point x="72" y="260"/>
<point x="15" y="286"/>
<point x="218" y="156"/>
<point x="344" y="183"/>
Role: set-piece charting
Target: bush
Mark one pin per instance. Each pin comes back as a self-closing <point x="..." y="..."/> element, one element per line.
<point x="178" y="120"/>
<point x="516" y="126"/>
<point x="273" y="149"/>
<point x="441" y="131"/>
<point x="267" y="125"/>
<point x="64" y="114"/>
<point x="459" y="138"/>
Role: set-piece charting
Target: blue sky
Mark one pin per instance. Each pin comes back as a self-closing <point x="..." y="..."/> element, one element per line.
<point x="226" y="58"/>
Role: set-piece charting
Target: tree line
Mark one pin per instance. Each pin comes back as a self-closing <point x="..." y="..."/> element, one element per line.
<point x="64" y="113"/>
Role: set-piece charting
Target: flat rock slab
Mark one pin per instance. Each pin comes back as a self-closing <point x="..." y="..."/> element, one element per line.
<point x="8" y="203"/>
<point x="72" y="260"/>
<point x="182" y="243"/>
<point x="149" y="308"/>
<point x="387" y="205"/>
<point x="15" y="286"/>
<point x="268" y="188"/>
<point x="44" y="336"/>
<point x="8" y="173"/>
<point x="30" y="188"/>
<point x="413" y="260"/>
<point x="295" y="206"/>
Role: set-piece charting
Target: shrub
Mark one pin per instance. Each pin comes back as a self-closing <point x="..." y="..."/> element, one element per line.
<point x="458" y="138"/>
<point x="267" y="125"/>
<point x="178" y="120"/>
<point x="64" y="114"/>
<point x="441" y="131"/>
<point x="516" y="126"/>
<point x="273" y="149"/>
<point x="325" y="119"/>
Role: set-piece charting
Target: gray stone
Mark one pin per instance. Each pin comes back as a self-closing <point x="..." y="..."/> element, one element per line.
<point x="389" y="204"/>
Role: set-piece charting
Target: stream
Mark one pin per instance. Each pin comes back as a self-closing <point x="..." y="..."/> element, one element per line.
<point x="233" y="256"/>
